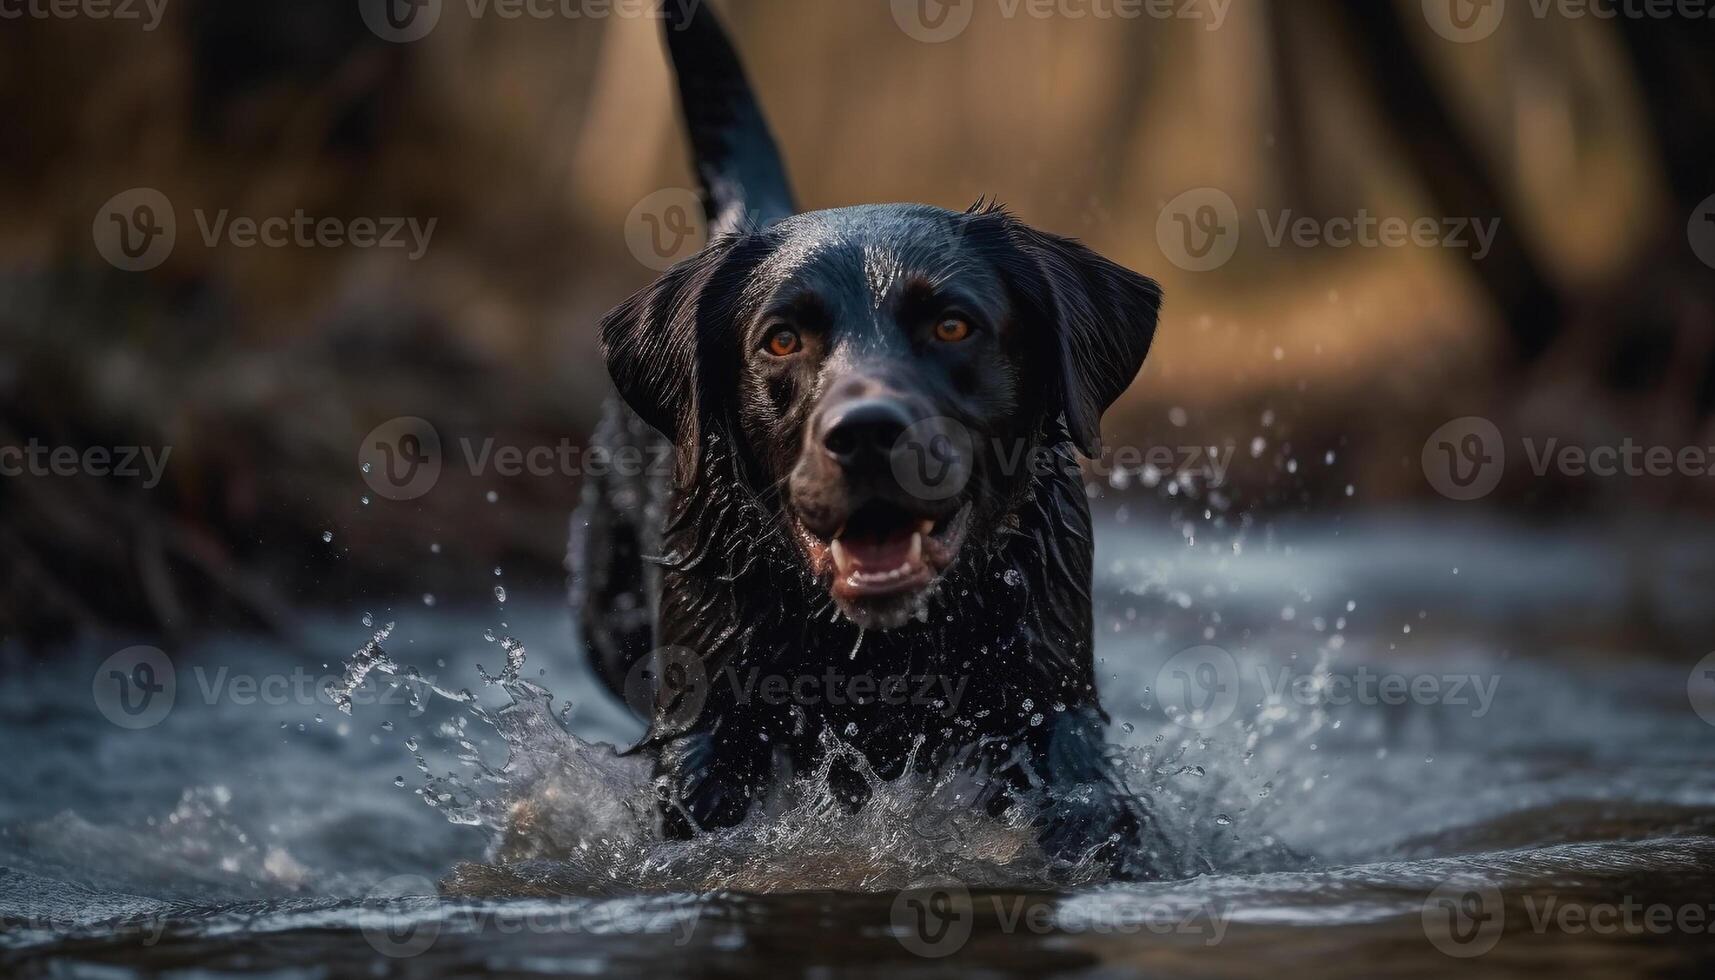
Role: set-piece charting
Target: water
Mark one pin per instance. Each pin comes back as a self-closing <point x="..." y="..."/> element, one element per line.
<point x="1539" y="794"/>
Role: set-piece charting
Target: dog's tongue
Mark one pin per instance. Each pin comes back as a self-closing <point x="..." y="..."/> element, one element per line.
<point x="869" y="553"/>
<point x="881" y="553"/>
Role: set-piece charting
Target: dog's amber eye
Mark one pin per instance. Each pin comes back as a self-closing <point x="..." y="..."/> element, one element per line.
<point x="952" y="330"/>
<point x="785" y="342"/>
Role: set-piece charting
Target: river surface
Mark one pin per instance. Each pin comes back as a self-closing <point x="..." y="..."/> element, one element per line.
<point x="1389" y="747"/>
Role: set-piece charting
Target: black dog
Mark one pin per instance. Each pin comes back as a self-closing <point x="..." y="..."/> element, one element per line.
<point x="872" y="415"/>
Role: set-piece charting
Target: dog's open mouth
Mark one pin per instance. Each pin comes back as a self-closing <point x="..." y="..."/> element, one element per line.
<point x="884" y="560"/>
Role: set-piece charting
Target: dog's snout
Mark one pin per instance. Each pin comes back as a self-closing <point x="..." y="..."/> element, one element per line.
<point x="864" y="432"/>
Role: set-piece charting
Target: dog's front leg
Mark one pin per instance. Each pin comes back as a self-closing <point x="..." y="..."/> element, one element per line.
<point x="707" y="780"/>
<point x="1087" y="813"/>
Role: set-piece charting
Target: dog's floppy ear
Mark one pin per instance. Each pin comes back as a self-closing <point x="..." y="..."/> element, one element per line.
<point x="662" y="343"/>
<point x="1103" y="315"/>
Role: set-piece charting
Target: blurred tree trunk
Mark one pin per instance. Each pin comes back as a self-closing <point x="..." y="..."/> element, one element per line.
<point x="1646" y="338"/>
<point x="1672" y="60"/>
<point x="1449" y="166"/>
<point x="1294" y="121"/>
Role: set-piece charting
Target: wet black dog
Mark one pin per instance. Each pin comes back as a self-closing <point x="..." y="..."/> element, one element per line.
<point x="873" y="525"/>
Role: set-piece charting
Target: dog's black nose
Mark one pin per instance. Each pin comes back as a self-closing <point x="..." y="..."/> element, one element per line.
<point x="864" y="431"/>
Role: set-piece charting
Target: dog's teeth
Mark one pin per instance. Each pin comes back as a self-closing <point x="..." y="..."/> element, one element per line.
<point x="842" y="560"/>
<point x="916" y="554"/>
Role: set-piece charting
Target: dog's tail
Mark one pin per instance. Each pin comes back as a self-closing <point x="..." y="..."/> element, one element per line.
<point x="744" y="180"/>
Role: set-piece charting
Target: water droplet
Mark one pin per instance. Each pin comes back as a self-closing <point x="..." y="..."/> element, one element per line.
<point x="368" y="620"/>
<point x="386" y="726"/>
<point x="428" y="598"/>
<point x="1223" y="820"/>
<point x="1013" y="577"/>
<point x="500" y="593"/>
<point x="488" y="635"/>
<point x="399" y="781"/>
<point x="364" y="501"/>
<point x="411" y="744"/>
<point x="492" y="496"/>
<point x="1036" y="719"/>
<point x="327" y="537"/>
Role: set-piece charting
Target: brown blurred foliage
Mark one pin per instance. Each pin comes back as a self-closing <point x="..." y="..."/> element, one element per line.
<point x="531" y="140"/>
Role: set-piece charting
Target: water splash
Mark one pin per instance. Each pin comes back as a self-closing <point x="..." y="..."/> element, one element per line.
<point x="579" y="821"/>
<point x="568" y="816"/>
<point x="370" y="658"/>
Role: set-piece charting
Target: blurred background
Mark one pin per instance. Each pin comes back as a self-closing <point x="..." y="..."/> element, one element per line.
<point x="545" y="149"/>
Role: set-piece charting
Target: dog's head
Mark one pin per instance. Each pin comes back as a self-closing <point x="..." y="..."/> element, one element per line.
<point x="885" y="376"/>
